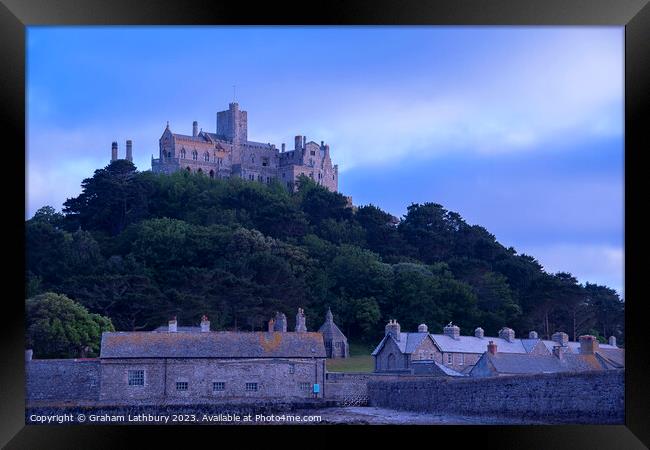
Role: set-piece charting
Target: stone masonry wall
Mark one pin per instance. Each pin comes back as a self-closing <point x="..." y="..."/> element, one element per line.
<point x="338" y="386"/>
<point x="588" y="397"/>
<point x="62" y="379"/>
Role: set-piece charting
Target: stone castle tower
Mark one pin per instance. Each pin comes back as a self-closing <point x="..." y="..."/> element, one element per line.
<point x="229" y="153"/>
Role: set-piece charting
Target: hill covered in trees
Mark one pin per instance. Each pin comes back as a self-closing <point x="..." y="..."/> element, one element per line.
<point x="138" y="247"/>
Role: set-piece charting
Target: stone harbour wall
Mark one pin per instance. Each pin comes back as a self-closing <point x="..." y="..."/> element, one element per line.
<point x="62" y="379"/>
<point x="587" y="397"/>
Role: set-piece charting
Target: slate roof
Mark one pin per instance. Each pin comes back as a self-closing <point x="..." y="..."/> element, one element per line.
<point x="331" y="331"/>
<point x="574" y="347"/>
<point x="408" y="342"/>
<point x="436" y="367"/>
<point x="473" y="344"/>
<point x="165" y="328"/>
<point x="213" y="344"/>
<point x="515" y="363"/>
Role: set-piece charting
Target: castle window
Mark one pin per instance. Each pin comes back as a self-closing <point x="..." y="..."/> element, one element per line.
<point x="136" y="377"/>
<point x="195" y="155"/>
<point x="212" y="174"/>
<point x="251" y="177"/>
<point x="292" y="368"/>
<point x="253" y="159"/>
<point x="251" y="387"/>
<point x="265" y="162"/>
<point x="183" y="153"/>
<point x="312" y="153"/>
<point x="169" y="154"/>
<point x="268" y="180"/>
<point x="218" y="386"/>
<point x="206" y="156"/>
<point x="305" y="386"/>
<point x="182" y="385"/>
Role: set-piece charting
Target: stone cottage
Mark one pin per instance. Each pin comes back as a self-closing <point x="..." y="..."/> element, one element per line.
<point x="397" y="351"/>
<point x="336" y="344"/>
<point x="587" y="358"/>
<point x="180" y="365"/>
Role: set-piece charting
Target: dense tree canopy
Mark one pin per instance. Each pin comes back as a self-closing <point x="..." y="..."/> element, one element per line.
<point x="138" y="247"/>
<point x="57" y="327"/>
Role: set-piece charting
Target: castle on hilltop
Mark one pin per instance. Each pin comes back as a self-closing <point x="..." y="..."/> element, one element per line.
<point x="229" y="153"/>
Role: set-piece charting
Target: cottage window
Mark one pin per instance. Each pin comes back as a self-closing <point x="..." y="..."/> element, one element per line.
<point x="305" y="386"/>
<point x="251" y="386"/>
<point x="462" y="359"/>
<point x="136" y="377"/>
<point x="450" y="358"/>
<point x="292" y="368"/>
<point x="218" y="386"/>
<point x="182" y="385"/>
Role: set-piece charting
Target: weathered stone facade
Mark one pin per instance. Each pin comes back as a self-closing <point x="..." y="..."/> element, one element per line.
<point x="336" y="344"/>
<point x="228" y="152"/>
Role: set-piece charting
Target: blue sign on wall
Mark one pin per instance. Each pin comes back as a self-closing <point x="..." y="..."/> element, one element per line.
<point x="316" y="388"/>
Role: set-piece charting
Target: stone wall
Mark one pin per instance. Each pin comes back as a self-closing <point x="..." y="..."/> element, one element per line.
<point x="62" y="379"/>
<point x="588" y="397"/>
<point x="339" y="386"/>
<point x="276" y="379"/>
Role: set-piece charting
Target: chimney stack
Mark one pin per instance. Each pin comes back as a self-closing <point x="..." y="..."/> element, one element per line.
<point x="561" y="338"/>
<point x="114" y="151"/>
<point x="195" y="128"/>
<point x="173" y="325"/>
<point x="479" y="333"/>
<point x="452" y="331"/>
<point x="271" y="325"/>
<point x="280" y="322"/>
<point x="612" y="341"/>
<point x="557" y="352"/>
<point x="298" y="142"/>
<point x="422" y="328"/>
<point x="533" y="335"/>
<point x="492" y="348"/>
<point x="205" y="324"/>
<point x="28" y="354"/>
<point x="588" y="344"/>
<point x="300" y="321"/>
<point x="129" y="150"/>
<point x="283" y="147"/>
<point x="507" y="333"/>
<point x="393" y="329"/>
<point x="304" y="142"/>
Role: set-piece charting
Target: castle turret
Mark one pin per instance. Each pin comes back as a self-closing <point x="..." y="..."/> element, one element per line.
<point x="300" y="321"/>
<point x="114" y="151"/>
<point x="195" y="128"/>
<point x="129" y="150"/>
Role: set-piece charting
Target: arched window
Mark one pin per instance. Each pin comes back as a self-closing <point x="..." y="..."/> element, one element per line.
<point x="195" y="155"/>
<point x="391" y="361"/>
<point x="183" y="153"/>
<point x="188" y="169"/>
<point x="212" y="174"/>
<point x="252" y="159"/>
<point x="206" y="157"/>
<point x="169" y="154"/>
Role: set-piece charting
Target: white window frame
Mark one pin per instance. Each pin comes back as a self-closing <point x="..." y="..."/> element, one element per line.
<point x="462" y="359"/>
<point x="130" y="377"/>
<point x="252" y="386"/>
<point x="222" y="385"/>
<point x="450" y="358"/>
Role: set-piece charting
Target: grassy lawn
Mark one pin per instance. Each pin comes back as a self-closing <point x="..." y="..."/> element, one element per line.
<point x="359" y="360"/>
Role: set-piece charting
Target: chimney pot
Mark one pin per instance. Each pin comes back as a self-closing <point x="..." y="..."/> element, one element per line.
<point x="533" y="335"/>
<point x="422" y="328"/>
<point x="612" y="341"/>
<point x="393" y="329"/>
<point x="205" y="324"/>
<point x="588" y="344"/>
<point x="561" y="338"/>
<point x="452" y="331"/>
<point x="479" y="333"/>
<point x="173" y="328"/>
<point x="507" y="333"/>
<point x="492" y="348"/>
<point x="129" y="150"/>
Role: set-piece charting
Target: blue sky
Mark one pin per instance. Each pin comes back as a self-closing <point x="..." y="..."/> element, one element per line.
<point x="519" y="129"/>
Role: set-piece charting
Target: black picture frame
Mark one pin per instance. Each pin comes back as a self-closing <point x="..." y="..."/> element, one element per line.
<point x="634" y="15"/>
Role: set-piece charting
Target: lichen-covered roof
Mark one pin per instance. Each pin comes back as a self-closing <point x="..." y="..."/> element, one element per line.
<point x="213" y="344"/>
<point x="516" y="363"/>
